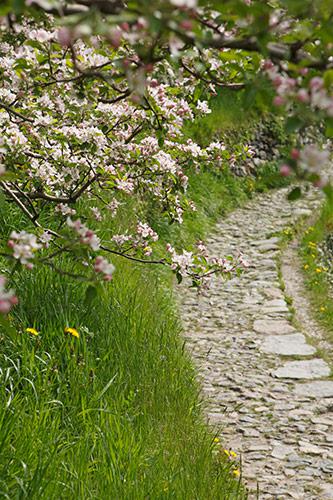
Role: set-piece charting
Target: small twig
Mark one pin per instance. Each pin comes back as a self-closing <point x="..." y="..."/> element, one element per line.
<point x="15" y="113"/>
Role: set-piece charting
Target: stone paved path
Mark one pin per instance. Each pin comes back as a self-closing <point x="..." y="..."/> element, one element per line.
<point x="266" y="388"/>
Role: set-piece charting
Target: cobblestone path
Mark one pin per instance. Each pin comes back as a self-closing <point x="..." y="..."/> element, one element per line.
<point x="267" y="390"/>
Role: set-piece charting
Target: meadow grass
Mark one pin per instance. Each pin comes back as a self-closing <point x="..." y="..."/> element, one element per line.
<point x="230" y="116"/>
<point x="316" y="273"/>
<point x="117" y="412"/>
<point x="113" y="414"/>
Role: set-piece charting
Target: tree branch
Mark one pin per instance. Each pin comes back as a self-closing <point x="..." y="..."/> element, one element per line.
<point x="129" y="257"/>
<point x="39" y="195"/>
<point x="109" y="7"/>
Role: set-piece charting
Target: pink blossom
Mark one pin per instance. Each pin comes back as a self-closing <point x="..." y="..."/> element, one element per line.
<point x="103" y="266"/>
<point x="40" y="35"/>
<point x="96" y="214"/>
<point x="125" y="185"/>
<point x="303" y="95"/>
<point x="201" y="248"/>
<point x="65" y="37"/>
<point x="243" y="261"/>
<point x="7" y="297"/>
<point x="180" y="262"/>
<point x="203" y="107"/>
<point x="316" y="83"/>
<point x="115" y="37"/>
<point x="186" y="24"/>
<point x="120" y="239"/>
<point x="65" y="209"/>
<point x="144" y="231"/>
<point x="294" y="153"/>
<point x="321" y="182"/>
<point x="268" y="65"/>
<point x="313" y="159"/>
<point x="183" y="179"/>
<point x="184" y="3"/>
<point x="45" y="239"/>
<point x="278" y="101"/>
<point x="87" y="236"/>
<point x="24" y="246"/>
<point x="285" y="170"/>
<point x="113" y="206"/>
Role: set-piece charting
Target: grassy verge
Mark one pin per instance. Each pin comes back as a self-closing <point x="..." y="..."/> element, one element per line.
<point x="115" y="413"/>
<point x="318" y="273"/>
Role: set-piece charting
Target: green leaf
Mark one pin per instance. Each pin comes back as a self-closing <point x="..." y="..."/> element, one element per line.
<point x="7" y="327"/>
<point x="18" y="6"/>
<point x="295" y="194"/>
<point x="160" y="137"/>
<point x="106" y="387"/>
<point x="328" y="190"/>
<point x="90" y="295"/>
<point x="293" y="123"/>
<point x="5" y="8"/>
<point x="179" y="278"/>
<point x="329" y="127"/>
<point x="328" y="78"/>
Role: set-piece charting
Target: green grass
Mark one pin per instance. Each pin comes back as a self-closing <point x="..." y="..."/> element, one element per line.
<point x="316" y="274"/>
<point x="113" y="414"/>
<point x="230" y="115"/>
<point x="116" y="413"/>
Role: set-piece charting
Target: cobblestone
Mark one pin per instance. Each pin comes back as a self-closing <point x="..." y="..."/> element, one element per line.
<point x="280" y="428"/>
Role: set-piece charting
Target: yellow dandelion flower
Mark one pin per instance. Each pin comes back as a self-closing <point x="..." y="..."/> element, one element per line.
<point x="236" y="472"/>
<point x="323" y="308"/>
<point x="313" y="255"/>
<point x="33" y="331"/>
<point x="72" y="332"/>
<point x="318" y="270"/>
<point x="227" y="453"/>
<point x="306" y="266"/>
<point x="233" y="454"/>
<point x="216" y="440"/>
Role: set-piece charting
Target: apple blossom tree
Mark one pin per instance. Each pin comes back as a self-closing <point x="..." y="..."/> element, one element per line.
<point x="94" y="95"/>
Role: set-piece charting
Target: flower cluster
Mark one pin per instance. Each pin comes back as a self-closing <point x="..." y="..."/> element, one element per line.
<point x="24" y="246"/>
<point x="87" y="236"/>
<point x="297" y="94"/>
<point x="297" y="90"/>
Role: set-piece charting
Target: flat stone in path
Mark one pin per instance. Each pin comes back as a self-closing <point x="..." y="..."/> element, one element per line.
<point x="281" y="451"/>
<point x="273" y="327"/>
<point x="287" y="345"/>
<point x="310" y="369"/>
<point x="319" y="389"/>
